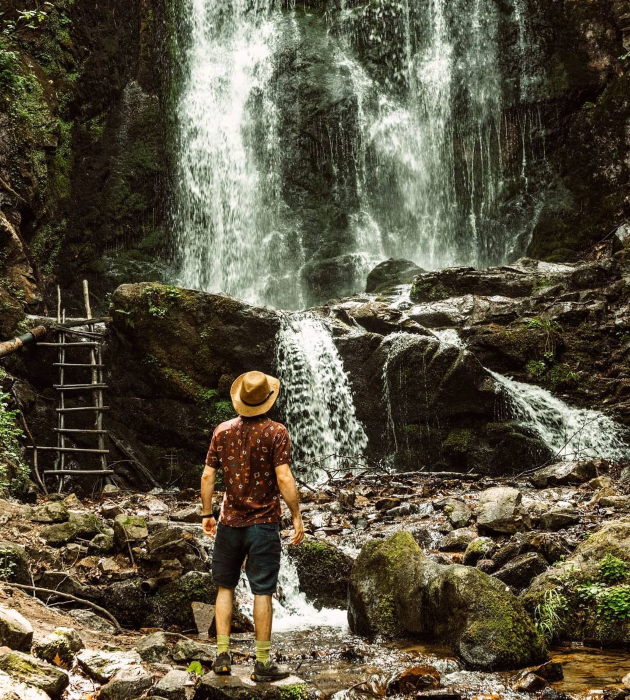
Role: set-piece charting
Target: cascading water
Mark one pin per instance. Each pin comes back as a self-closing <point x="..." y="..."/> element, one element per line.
<point x="570" y="433"/>
<point x="319" y="409"/>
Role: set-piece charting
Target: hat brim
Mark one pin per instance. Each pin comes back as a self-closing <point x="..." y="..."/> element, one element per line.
<point x="250" y="411"/>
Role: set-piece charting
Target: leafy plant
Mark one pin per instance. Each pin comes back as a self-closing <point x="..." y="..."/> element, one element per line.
<point x="13" y="472"/>
<point x="612" y="569"/>
<point x="196" y="668"/>
<point x="548" y="614"/>
<point x="552" y="330"/>
<point x="7" y="565"/>
<point x="614" y="603"/>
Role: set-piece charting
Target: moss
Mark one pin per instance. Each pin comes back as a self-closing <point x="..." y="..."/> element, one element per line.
<point x="296" y="691"/>
<point x="425" y="291"/>
<point x="459" y="439"/>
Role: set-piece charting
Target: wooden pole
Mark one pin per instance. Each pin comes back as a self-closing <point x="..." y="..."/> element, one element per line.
<point x="10" y="346"/>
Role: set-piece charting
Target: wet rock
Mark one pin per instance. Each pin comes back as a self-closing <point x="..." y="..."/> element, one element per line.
<point x="154" y="647"/>
<point x="486" y="565"/>
<point x="377" y="317"/>
<point x="551" y="671"/>
<point x="396" y="589"/>
<point x="189" y="650"/>
<point x="552" y="546"/>
<point x="500" y="510"/>
<point x="103" y="665"/>
<point x="530" y="683"/>
<point x="479" y="548"/>
<point x="413" y="679"/>
<point x="459" y="514"/>
<point x="53" y="512"/>
<point x="402" y="510"/>
<point x="347" y="499"/>
<point x="168" y="543"/>
<point x="15" y="561"/>
<point x="16" y="631"/>
<point x="560" y="518"/>
<point x="126" y="683"/>
<point x="565" y="473"/>
<point x="323" y="572"/>
<point x="187" y="515"/>
<point x="391" y="273"/>
<point x="457" y="540"/>
<point x="387" y="503"/>
<point x="239" y="686"/>
<point x="520" y="571"/>
<point x="63" y="644"/>
<point x="27" y="669"/>
<point x="129" y="529"/>
<point x="601" y="482"/>
<point x="173" y="685"/>
<point x="440" y="694"/>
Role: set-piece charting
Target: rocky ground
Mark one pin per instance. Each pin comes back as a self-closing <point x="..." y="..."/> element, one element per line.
<point x="143" y="559"/>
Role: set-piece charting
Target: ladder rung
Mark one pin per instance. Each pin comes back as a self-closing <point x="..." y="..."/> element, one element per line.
<point x="87" y="344"/>
<point x="80" y="430"/>
<point x="82" y="408"/>
<point x="68" y="449"/>
<point x="76" y="364"/>
<point x="79" y="387"/>
<point x="61" y="472"/>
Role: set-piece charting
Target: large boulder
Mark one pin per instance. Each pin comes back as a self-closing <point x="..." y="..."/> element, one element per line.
<point x="14" y="563"/>
<point x="323" y="572"/>
<point x="390" y="273"/>
<point x="27" y="669"/>
<point x="564" y="473"/>
<point x="16" y="631"/>
<point x="396" y="589"/>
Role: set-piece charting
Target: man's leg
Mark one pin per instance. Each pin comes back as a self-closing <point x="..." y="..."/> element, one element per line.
<point x="263" y="617"/>
<point x="223" y="617"/>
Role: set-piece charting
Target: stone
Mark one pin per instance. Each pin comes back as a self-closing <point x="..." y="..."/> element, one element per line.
<point x="459" y="514"/>
<point x="63" y="643"/>
<point x="154" y="647"/>
<point x="110" y="490"/>
<point x="191" y="514"/>
<point x="601" y="482"/>
<point x="111" y="510"/>
<point x="168" y="543"/>
<point x="387" y="503"/>
<point x="72" y="502"/>
<point x="92" y="620"/>
<point x="173" y="685"/>
<point x="240" y="686"/>
<point x="204" y="617"/>
<point x="413" y="679"/>
<point x="53" y="512"/>
<point x="551" y="671"/>
<point x="479" y="548"/>
<point x="520" y="571"/>
<point x="347" y="499"/>
<point x="16" y="631"/>
<point x="565" y="473"/>
<point x="101" y="666"/>
<point x="62" y="582"/>
<point x="129" y="529"/>
<point x="126" y="683"/>
<point x="10" y="689"/>
<point x="14" y="563"/>
<point x="500" y="511"/>
<point x="189" y="650"/>
<point x="625" y="681"/>
<point x="323" y="572"/>
<point x="624" y="477"/>
<point x="27" y="669"/>
<point x="457" y="540"/>
<point x="87" y="525"/>
<point x="559" y="518"/>
<point x="530" y="683"/>
<point x="396" y="589"/>
<point x="59" y="534"/>
<point x="391" y="273"/>
<point x="101" y="544"/>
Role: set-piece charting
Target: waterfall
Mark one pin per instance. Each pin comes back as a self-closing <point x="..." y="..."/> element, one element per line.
<point x="569" y="432"/>
<point x="316" y="398"/>
<point x="226" y="217"/>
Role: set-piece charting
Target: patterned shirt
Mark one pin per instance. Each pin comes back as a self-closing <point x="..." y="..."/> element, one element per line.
<point x="249" y="450"/>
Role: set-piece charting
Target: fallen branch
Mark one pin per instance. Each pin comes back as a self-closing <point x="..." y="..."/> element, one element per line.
<point x="51" y="591"/>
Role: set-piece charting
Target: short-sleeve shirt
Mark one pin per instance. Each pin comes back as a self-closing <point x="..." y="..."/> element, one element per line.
<point x="249" y="450"/>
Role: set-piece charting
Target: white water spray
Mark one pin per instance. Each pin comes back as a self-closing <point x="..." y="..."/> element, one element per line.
<point x="569" y="432"/>
<point x="317" y="399"/>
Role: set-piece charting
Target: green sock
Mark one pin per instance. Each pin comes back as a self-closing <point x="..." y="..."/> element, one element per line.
<point x="263" y="650"/>
<point x="223" y="644"/>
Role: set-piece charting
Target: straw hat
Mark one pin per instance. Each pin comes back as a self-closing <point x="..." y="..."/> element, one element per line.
<point x="254" y="393"/>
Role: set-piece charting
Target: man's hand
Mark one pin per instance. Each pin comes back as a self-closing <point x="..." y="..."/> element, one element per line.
<point x="298" y="529"/>
<point x="209" y="526"/>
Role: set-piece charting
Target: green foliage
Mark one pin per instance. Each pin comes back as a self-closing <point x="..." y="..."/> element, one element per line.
<point x="536" y="368"/>
<point x="196" y="668"/>
<point x="13" y="472"/>
<point x="614" y="603"/>
<point x="612" y="569"/>
<point x="548" y="614"/>
<point x="7" y="565"/>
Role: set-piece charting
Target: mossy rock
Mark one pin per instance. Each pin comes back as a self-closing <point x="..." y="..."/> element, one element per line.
<point x="323" y="572"/>
<point x="396" y="589"/>
<point x="14" y="563"/>
<point x="27" y="669"/>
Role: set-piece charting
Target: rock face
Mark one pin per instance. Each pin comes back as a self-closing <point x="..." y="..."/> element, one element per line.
<point x="396" y="589"/>
<point x="323" y="571"/>
<point x="16" y="631"/>
<point x="391" y="273"/>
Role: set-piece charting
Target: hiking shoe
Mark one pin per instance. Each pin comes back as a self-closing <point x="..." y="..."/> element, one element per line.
<point x="268" y="673"/>
<point x="222" y="665"/>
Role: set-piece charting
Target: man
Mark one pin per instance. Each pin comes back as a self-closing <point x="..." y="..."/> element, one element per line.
<point x="254" y="453"/>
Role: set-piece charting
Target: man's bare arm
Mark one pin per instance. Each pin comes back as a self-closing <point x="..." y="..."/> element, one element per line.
<point x="288" y="489"/>
<point x="207" y="492"/>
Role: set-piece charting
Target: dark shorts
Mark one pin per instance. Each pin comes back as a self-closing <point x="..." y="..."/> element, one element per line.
<point x="260" y="544"/>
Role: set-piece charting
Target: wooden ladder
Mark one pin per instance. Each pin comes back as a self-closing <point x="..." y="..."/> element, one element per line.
<point x="96" y="386"/>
